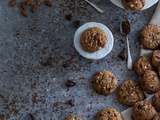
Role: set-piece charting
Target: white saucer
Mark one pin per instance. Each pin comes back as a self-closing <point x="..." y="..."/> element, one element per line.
<point x="100" y="53"/>
<point x="149" y="3"/>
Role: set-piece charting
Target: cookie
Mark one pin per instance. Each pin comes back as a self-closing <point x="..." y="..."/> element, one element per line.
<point x="150" y="82"/>
<point x="143" y="110"/>
<point x="72" y="117"/>
<point x="156" y="117"/>
<point x="135" y="5"/>
<point x="104" y="82"/>
<point x="129" y="93"/>
<point x="109" y="114"/>
<point x="150" y="36"/>
<point x="156" y="58"/>
<point x="156" y="100"/>
<point x="93" y="39"/>
<point x="141" y="65"/>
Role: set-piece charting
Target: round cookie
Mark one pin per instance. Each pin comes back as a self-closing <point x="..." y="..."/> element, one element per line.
<point x="135" y="5"/>
<point x="156" y="58"/>
<point x="141" y="65"/>
<point x="150" y="36"/>
<point x="129" y="93"/>
<point x="72" y="117"/>
<point x="143" y="110"/>
<point x="109" y="114"/>
<point x="156" y="100"/>
<point x="150" y="82"/>
<point x="93" y="39"/>
<point x="156" y="117"/>
<point x="104" y="82"/>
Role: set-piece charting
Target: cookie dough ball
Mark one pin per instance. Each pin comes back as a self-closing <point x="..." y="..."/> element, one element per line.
<point x="129" y="93"/>
<point x="150" y="82"/>
<point x="143" y="110"/>
<point x="109" y="114"/>
<point x="156" y="58"/>
<point x="72" y="117"/>
<point x="104" y="82"/>
<point x="156" y="100"/>
<point x="150" y="37"/>
<point x="157" y="117"/>
<point x="93" y="39"/>
<point x="141" y="65"/>
<point x="135" y="5"/>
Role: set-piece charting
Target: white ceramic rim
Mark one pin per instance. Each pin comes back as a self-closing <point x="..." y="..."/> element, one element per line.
<point x="100" y="53"/>
<point x="149" y="3"/>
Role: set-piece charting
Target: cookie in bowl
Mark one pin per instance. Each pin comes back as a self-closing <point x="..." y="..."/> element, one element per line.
<point x="104" y="82"/>
<point x="109" y="114"/>
<point x="93" y="40"/>
<point x="141" y="65"/>
<point x="129" y="93"/>
<point x="135" y="5"/>
<point x="72" y="117"/>
<point x="143" y="110"/>
<point x="150" y="82"/>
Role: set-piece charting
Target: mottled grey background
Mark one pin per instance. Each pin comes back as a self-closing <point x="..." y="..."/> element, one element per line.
<point x="37" y="57"/>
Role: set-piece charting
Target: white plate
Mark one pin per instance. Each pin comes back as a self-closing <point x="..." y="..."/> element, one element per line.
<point x="148" y="4"/>
<point x="100" y="53"/>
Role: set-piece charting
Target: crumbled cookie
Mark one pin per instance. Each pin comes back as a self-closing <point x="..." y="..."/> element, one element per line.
<point x="141" y="65"/>
<point x="156" y="100"/>
<point x="109" y="114"/>
<point x="143" y="110"/>
<point x="105" y="82"/>
<point x="129" y="93"/>
<point x="150" y="36"/>
<point x="156" y="58"/>
<point x="72" y="117"/>
<point x="93" y="39"/>
<point x="135" y="5"/>
<point x="150" y="82"/>
<point x="156" y="117"/>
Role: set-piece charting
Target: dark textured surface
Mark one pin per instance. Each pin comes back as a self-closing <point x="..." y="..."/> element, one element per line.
<point x="37" y="57"/>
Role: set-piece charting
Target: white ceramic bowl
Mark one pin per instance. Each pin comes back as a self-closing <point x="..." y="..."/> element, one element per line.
<point x="100" y="53"/>
<point x="149" y="3"/>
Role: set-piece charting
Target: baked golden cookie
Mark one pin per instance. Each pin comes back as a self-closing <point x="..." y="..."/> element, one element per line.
<point x="143" y="110"/>
<point x="129" y="93"/>
<point x="150" y="82"/>
<point x="135" y="5"/>
<point x="104" y="82"/>
<point x="109" y="114"/>
<point x="93" y="39"/>
<point x="156" y="100"/>
<point x="72" y="117"/>
<point x="141" y="65"/>
<point x="150" y="36"/>
<point x="156" y="117"/>
<point x="156" y="58"/>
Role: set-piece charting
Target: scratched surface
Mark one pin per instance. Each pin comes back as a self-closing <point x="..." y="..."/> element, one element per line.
<point x="37" y="57"/>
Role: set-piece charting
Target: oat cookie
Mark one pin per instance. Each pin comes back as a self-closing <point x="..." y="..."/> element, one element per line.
<point x="143" y="110"/>
<point x="93" y="39"/>
<point x="104" y="82"/>
<point x="156" y="58"/>
<point x="150" y="82"/>
<point x="141" y="65"/>
<point x="135" y="5"/>
<point x="150" y="36"/>
<point x="129" y="93"/>
<point x="156" y="100"/>
<point x="109" y="114"/>
<point x="72" y="117"/>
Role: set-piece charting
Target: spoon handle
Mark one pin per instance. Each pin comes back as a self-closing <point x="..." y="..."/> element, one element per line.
<point x="156" y="17"/>
<point x="129" y="60"/>
<point x="94" y="6"/>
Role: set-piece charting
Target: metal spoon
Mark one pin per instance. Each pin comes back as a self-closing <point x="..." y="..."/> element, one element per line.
<point x="94" y="6"/>
<point x="125" y="29"/>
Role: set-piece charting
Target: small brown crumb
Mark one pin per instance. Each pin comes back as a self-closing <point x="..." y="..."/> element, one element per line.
<point x="23" y="9"/>
<point x="122" y="55"/>
<point x="48" y="3"/>
<point x="70" y="102"/>
<point x="12" y="3"/>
